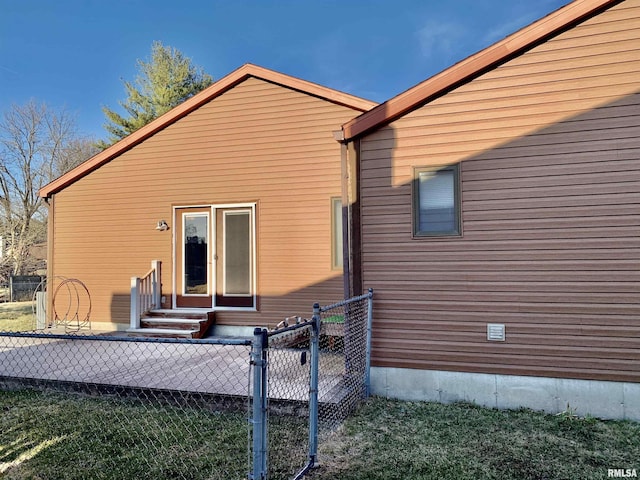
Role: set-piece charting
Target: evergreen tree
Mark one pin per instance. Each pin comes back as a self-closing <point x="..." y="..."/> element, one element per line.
<point x="167" y="80"/>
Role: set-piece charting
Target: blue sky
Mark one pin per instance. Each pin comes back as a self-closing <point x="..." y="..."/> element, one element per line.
<point x="75" y="53"/>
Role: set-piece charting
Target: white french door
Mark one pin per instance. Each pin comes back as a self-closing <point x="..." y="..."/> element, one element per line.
<point x="215" y="257"/>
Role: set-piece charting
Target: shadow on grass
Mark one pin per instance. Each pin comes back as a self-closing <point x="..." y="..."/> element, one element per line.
<point x="75" y="436"/>
<point x="116" y="439"/>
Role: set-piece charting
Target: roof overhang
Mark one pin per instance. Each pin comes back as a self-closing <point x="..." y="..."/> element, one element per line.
<point x="208" y="94"/>
<point x="475" y="65"/>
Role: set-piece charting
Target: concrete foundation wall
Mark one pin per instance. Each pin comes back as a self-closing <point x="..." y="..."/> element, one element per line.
<point x="233" y="331"/>
<point x="609" y="400"/>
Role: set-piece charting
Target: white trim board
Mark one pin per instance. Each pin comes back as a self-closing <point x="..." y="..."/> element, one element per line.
<point x="252" y="208"/>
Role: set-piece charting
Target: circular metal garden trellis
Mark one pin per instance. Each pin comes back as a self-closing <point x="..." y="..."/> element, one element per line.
<point x="71" y="303"/>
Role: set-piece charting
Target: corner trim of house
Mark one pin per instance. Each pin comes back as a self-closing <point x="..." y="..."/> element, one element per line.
<point x="602" y="399"/>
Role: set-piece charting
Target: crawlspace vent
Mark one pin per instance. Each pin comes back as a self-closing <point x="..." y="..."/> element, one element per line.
<point x="495" y="332"/>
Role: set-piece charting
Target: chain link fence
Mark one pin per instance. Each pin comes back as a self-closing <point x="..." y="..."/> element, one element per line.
<point x="316" y="374"/>
<point x="118" y="407"/>
<point x="80" y="405"/>
<point x="289" y="376"/>
<point x="344" y="359"/>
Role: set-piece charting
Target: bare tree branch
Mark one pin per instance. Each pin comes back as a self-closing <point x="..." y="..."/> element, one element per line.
<point x="36" y="144"/>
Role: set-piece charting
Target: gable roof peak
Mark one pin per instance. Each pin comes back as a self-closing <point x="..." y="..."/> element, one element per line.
<point x="473" y="66"/>
<point x="214" y="90"/>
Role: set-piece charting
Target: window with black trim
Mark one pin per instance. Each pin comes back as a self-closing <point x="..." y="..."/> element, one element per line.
<point x="436" y="201"/>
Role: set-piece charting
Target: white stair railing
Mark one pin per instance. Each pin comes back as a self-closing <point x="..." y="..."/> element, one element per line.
<point x="145" y="293"/>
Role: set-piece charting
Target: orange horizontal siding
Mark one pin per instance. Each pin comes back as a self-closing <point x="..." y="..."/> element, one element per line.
<point x="473" y="66"/>
<point x="550" y="196"/>
<point x="104" y="230"/>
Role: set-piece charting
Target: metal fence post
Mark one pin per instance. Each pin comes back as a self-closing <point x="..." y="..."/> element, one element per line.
<point x="157" y="284"/>
<point x="134" y="319"/>
<point x="259" y="362"/>
<point x="313" y="385"/>
<point x="367" y="372"/>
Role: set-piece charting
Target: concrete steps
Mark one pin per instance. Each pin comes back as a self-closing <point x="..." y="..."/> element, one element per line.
<point x="178" y="323"/>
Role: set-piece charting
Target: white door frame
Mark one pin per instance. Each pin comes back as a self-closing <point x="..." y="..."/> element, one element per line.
<point x="177" y="236"/>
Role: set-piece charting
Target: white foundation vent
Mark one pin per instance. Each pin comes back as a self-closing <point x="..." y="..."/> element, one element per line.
<point x="495" y="332"/>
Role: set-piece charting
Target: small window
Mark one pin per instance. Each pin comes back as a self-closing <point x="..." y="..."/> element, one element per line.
<point x="436" y="202"/>
<point x="336" y="233"/>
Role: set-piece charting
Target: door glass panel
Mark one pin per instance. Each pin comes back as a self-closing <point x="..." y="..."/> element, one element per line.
<point x="196" y="254"/>
<point x="237" y="253"/>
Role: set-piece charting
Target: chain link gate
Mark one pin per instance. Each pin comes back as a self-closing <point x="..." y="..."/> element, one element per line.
<point x="312" y="374"/>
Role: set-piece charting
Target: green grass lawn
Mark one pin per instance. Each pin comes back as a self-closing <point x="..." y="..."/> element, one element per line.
<point x="70" y="436"/>
<point x="333" y="319"/>
<point x="400" y="440"/>
<point x="17" y="317"/>
<point x="55" y="436"/>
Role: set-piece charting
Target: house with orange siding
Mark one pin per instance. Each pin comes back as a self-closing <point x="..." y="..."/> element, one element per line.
<point x="229" y="201"/>
<point x="495" y="211"/>
<point x="493" y="208"/>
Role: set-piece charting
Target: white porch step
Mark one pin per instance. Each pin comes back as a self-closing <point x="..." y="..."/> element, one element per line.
<point x="193" y="311"/>
<point x="169" y="321"/>
<point x="162" y="332"/>
<point x="185" y="323"/>
<point x="189" y="323"/>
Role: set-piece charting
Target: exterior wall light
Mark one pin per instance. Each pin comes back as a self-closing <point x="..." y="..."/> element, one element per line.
<point x="162" y="225"/>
